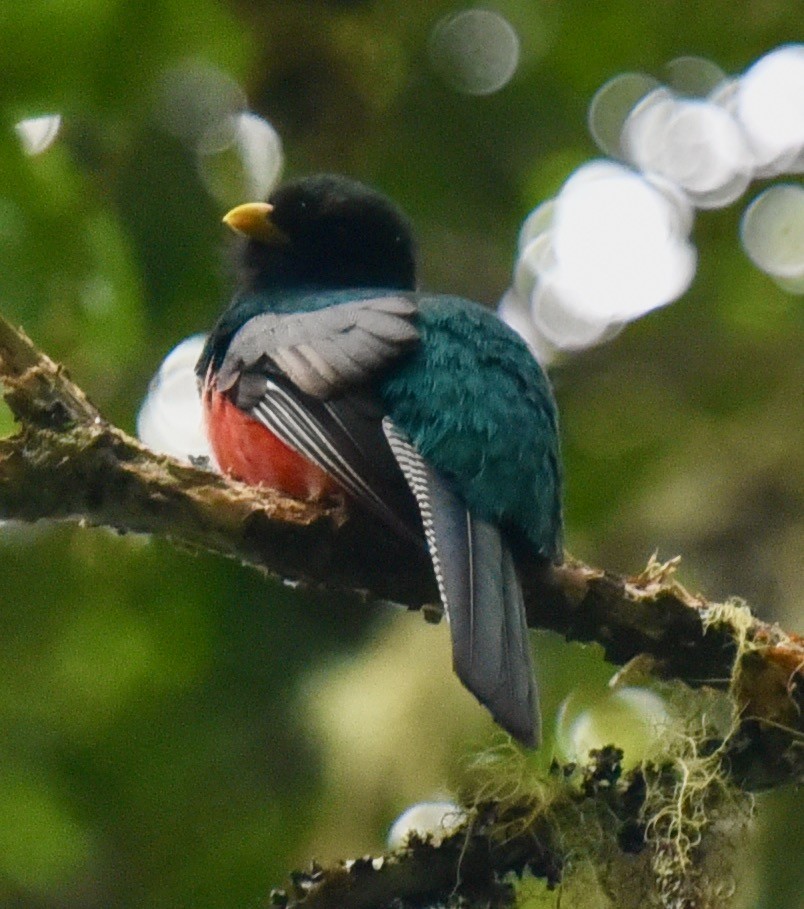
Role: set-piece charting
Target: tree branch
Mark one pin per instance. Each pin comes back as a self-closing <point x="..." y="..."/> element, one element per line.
<point x="67" y="462"/>
<point x="647" y="840"/>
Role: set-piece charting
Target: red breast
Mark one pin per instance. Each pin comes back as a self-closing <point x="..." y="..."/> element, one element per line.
<point x="247" y="451"/>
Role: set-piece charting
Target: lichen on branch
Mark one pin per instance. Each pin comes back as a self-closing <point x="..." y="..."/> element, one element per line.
<point x="660" y="836"/>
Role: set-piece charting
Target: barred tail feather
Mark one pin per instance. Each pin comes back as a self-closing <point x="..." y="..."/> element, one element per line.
<point x="481" y="595"/>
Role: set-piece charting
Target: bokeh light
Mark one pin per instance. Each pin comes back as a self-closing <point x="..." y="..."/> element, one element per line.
<point x="772" y="232"/>
<point x="635" y="718"/>
<point x="617" y="245"/>
<point x="564" y="319"/>
<point x="475" y="51"/>
<point x="239" y="153"/>
<point x="426" y="819"/>
<point x="770" y="106"/>
<point x="614" y="244"/>
<point x="170" y="419"/>
<point x="37" y="134"/>
<point x="694" y="77"/>
<point x="198" y="103"/>
<point x="611" y="106"/>
<point x="610" y="247"/>
<point x="693" y="143"/>
<point x="751" y="125"/>
<point x="249" y="166"/>
<point x="516" y="313"/>
<point x="537" y="223"/>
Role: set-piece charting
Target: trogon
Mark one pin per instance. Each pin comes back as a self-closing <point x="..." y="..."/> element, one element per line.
<point x="331" y="372"/>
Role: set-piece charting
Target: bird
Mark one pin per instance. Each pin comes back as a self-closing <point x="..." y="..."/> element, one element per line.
<point x="330" y="372"/>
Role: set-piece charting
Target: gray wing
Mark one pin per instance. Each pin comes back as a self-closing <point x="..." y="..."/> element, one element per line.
<point x="305" y="377"/>
<point x="325" y="351"/>
<point x="481" y="595"/>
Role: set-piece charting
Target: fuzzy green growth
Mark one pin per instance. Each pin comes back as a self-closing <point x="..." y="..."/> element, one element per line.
<point x="663" y="835"/>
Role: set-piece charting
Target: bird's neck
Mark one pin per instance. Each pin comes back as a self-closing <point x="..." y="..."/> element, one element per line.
<point x="298" y="298"/>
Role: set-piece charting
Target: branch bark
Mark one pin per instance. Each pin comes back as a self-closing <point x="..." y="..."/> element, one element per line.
<point x="67" y="462"/>
<point x="579" y="819"/>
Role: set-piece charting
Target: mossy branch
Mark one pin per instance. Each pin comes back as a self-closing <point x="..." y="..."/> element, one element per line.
<point x="598" y="833"/>
<point x="67" y="462"/>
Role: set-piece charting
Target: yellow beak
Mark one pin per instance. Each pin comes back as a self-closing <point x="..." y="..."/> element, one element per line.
<point x="253" y="220"/>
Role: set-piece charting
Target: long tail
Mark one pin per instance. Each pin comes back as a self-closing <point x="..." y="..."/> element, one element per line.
<point x="481" y="595"/>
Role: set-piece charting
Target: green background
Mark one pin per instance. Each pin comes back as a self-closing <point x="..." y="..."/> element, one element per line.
<point x="176" y="731"/>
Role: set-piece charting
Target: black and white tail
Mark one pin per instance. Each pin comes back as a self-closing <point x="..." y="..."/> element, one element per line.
<point x="481" y="595"/>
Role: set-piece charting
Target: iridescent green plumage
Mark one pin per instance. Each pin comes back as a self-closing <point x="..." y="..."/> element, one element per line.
<point x="478" y="407"/>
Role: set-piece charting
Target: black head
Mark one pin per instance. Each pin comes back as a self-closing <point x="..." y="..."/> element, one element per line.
<point x="324" y="231"/>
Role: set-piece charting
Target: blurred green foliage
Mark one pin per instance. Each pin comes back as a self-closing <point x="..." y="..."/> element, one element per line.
<point x="176" y="731"/>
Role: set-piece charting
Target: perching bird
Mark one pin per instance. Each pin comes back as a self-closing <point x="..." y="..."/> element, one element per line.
<point x="330" y="372"/>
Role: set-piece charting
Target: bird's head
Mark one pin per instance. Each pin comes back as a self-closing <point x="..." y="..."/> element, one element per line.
<point x="324" y="231"/>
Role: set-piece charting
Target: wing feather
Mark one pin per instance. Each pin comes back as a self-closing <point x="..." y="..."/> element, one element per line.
<point x="347" y="442"/>
<point x="305" y="377"/>
<point x="326" y="351"/>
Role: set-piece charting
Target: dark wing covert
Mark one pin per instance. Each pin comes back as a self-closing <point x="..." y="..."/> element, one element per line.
<point x="305" y="377"/>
